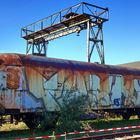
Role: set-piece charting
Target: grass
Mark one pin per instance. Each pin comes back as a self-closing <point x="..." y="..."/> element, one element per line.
<point x="113" y="122"/>
<point x="11" y="131"/>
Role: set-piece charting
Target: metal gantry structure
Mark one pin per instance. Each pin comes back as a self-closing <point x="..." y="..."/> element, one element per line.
<point x="83" y="16"/>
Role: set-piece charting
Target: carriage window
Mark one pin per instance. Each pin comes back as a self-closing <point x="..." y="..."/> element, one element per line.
<point x="50" y="83"/>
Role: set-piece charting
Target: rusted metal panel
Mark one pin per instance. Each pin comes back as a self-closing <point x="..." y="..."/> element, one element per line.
<point x="14" y="93"/>
<point x="10" y="59"/>
<point x="34" y="98"/>
<point x="128" y="91"/>
<point x="12" y="99"/>
<point x="35" y="82"/>
<point x="14" y="87"/>
<point x="13" y="77"/>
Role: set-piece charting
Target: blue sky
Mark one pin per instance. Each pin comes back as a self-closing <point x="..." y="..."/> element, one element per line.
<point x="121" y="32"/>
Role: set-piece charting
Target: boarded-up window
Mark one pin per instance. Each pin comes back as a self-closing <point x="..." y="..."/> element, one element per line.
<point x="13" y="77"/>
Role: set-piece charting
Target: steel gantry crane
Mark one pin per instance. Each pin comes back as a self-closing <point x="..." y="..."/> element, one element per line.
<point x="83" y="16"/>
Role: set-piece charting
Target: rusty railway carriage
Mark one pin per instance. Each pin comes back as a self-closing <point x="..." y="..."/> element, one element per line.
<point x="30" y="84"/>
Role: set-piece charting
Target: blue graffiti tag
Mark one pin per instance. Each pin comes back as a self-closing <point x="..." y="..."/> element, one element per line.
<point x="117" y="101"/>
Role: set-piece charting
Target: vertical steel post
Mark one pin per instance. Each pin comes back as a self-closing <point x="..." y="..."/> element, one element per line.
<point x="88" y="41"/>
<point x="33" y="47"/>
<point x="27" y="47"/>
<point x="102" y="45"/>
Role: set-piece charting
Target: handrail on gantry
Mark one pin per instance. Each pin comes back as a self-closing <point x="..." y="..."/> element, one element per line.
<point x="93" y="11"/>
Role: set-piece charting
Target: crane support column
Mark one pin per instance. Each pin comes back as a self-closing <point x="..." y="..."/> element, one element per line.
<point x="88" y="41"/>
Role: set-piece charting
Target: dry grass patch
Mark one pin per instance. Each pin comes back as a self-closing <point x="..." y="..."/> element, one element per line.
<point x="10" y="127"/>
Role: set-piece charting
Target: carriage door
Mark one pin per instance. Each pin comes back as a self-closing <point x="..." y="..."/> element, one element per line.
<point x="2" y="90"/>
<point x="115" y="90"/>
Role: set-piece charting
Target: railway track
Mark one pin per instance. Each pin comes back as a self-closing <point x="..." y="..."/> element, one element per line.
<point x="126" y="135"/>
<point x="119" y="133"/>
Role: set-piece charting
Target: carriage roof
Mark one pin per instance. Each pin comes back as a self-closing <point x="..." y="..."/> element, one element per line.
<point x="38" y="61"/>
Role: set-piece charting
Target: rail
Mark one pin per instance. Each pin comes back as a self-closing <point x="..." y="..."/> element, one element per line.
<point x="94" y="134"/>
<point x="127" y="135"/>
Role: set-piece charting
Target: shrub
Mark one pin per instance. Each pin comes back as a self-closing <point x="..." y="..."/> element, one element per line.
<point x="70" y="112"/>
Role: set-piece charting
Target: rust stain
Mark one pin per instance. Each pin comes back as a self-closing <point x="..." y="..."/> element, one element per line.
<point x="37" y="61"/>
<point x="104" y="83"/>
<point x="70" y="79"/>
<point x="13" y="77"/>
<point x="129" y="90"/>
<point x="10" y="101"/>
<point x="34" y="80"/>
<point x="47" y="73"/>
<point x="10" y="59"/>
<point x="129" y="83"/>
